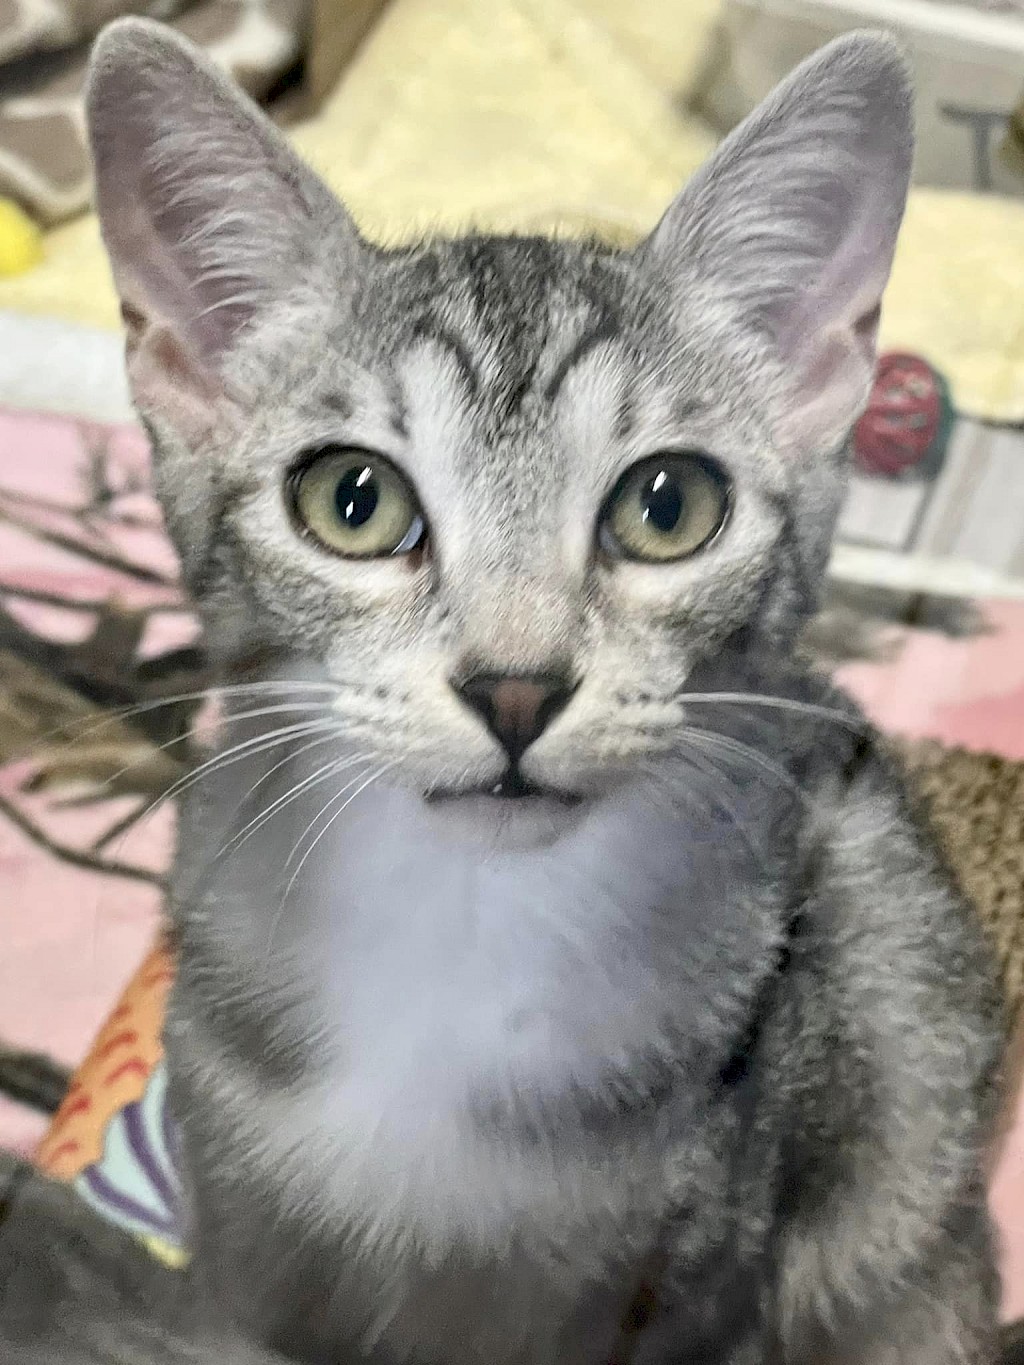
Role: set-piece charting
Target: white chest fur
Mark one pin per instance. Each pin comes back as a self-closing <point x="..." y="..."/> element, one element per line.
<point x="454" y="1005"/>
<point x="456" y="991"/>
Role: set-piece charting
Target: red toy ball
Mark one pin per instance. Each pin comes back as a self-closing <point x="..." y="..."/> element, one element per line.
<point x="906" y="414"/>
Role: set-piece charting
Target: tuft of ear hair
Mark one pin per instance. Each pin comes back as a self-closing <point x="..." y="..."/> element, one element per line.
<point x="208" y="216"/>
<point x="790" y="228"/>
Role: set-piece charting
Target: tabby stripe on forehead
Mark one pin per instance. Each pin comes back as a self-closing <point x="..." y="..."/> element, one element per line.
<point x="399" y="415"/>
<point x="431" y="329"/>
<point x="605" y="329"/>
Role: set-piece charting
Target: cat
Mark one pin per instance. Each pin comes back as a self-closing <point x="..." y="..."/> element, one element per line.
<point x="562" y="976"/>
<point x="75" y="1290"/>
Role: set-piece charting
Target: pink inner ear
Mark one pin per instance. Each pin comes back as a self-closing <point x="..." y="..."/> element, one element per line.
<point x="827" y="334"/>
<point x="830" y="376"/>
<point x="179" y="367"/>
<point x="865" y="329"/>
<point x="209" y="217"/>
<point x="170" y="383"/>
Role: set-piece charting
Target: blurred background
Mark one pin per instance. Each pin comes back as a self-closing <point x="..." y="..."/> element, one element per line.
<point x="516" y="115"/>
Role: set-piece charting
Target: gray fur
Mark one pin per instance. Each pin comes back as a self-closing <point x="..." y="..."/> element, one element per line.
<point x="76" y="1291"/>
<point x="455" y="1079"/>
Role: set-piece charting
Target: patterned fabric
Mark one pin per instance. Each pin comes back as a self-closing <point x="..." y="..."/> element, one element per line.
<point x="135" y="1182"/>
<point x="44" y="163"/>
<point x="113" y="1137"/>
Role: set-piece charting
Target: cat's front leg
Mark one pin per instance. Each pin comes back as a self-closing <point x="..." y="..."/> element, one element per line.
<point x="75" y="1290"/>
<point x="884" y="1098"/>
<point x="868" y="1115"/>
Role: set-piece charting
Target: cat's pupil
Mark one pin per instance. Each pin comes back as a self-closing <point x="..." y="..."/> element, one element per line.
<point x="662" y="501"/>
<point x="356" y="496"/>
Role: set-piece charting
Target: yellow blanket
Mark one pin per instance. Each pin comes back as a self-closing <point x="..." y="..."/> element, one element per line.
<point x="567" y="115"/>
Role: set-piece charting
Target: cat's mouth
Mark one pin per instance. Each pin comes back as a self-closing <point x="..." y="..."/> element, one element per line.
<point x="510" y="814"/>
<point x="512" y="787"/>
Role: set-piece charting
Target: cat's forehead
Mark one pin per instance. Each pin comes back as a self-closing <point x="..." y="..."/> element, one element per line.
<point x="509" y="284"/>
<point x="511" y="311"/>
<point x="511" y="324"/>
<point x="502" y="330"/>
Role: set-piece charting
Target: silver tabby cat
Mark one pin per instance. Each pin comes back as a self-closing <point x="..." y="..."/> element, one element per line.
<point x="562" y="979"/>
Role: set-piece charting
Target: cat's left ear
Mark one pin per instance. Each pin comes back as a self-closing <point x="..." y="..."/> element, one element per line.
<point x="789" y="230"/>
<point x="215" y="229"/>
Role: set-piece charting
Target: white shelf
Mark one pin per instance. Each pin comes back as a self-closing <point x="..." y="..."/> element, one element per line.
<point x="919" y="573"/>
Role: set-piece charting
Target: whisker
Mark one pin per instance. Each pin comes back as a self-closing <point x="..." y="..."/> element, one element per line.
<point x="706" y="765"/>
<point x="747" y="752"/>
<point x="707" y="768"/>
<point x="276" y="924"/>
<point x="247" y="748"/>
<point x="229" y="720"/>
<point x="330" y="769"/>
<point x="763" y="699"/>
<point x="344" y="807"/>
<point x="325" y="729"/>
<point x="319" y="816"/>
<point x="89" y="725"/>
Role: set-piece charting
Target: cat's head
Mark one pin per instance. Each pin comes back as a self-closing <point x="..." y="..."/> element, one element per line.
<point x="509" y="493"/>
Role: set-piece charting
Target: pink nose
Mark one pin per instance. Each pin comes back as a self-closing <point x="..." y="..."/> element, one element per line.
<point x="516" y="708"/>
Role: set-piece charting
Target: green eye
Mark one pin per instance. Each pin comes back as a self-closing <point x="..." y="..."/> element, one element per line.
<point x="357" y="504"/>
<point x="666" y="507"/>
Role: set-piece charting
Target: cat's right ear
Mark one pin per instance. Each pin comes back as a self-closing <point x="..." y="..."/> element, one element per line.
<point x="213" y="225"/>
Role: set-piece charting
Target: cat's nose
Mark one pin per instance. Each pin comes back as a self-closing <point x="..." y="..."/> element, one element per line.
<point x="516" y="708"/>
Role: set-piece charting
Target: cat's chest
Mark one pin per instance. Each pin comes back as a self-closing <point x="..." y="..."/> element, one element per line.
<point x="460" y="1033"/>
<point x="457" y="1015"/>
<point x="442" y="983"/>
<point x="422" y="1119"/>
<point x="427" y="1191"/>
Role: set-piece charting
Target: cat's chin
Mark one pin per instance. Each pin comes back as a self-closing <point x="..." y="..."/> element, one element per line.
<point x="509" y="815"/>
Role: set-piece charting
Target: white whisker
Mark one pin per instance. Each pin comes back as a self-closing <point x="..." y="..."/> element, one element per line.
<point x="727" y="744"/>
<point x="319" y="815"/>
<point x="324" y="731"/>
<point x="88" y="725"/>
<point x="705" y="764"/>
<point x="229" y="720"/>
<point x="335" y="766"/>
<point x="780" y="703"/>
<point x="341" y="810"/>
<point x="248" y="748"/>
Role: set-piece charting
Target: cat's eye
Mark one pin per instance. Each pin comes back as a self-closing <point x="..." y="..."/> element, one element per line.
<point x="356" y="504"/>
<point x="666" y="507"/>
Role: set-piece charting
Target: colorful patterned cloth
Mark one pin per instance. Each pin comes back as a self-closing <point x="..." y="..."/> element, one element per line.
<point x="113" y="1137"/>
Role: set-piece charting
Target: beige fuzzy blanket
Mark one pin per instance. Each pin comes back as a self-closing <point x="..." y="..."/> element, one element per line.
<point x="44" y="164"/>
